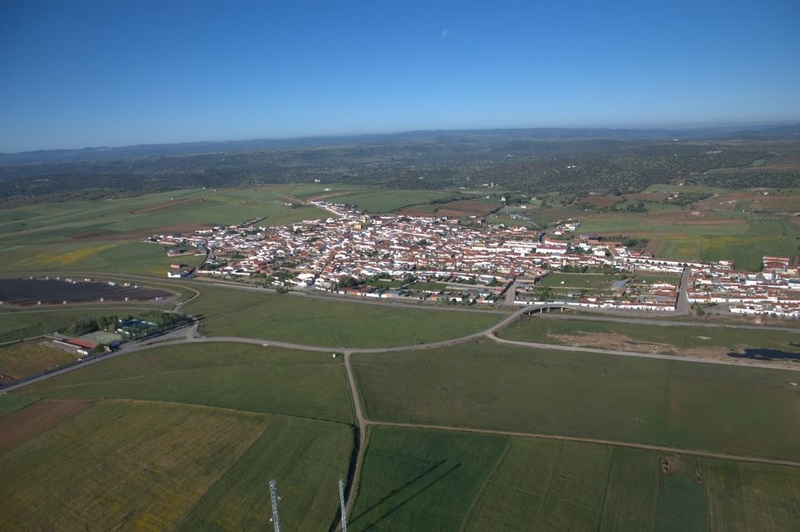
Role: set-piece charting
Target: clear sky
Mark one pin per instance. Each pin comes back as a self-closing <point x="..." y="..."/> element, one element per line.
<point x="116" y="72"/>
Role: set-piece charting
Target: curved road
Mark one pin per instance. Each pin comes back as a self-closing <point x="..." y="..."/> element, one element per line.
<point x="189" y="335"/>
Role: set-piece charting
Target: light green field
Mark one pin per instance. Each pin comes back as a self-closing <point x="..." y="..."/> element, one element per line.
<point x="727" y="409"/>
<point x="324" y="322"/>
<point x="142" y="465"/>
<point x="763" y="237"/>
<point x="590" y="281"/>
<point x="104" y="235"/>
<point x="228" y="375"/>
<point x="132" y="465"/>
<point x="671" y="339"/>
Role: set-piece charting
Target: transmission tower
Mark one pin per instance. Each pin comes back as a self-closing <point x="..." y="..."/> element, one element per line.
<point x="273" y="494"/>
<point x="341" y="503"/>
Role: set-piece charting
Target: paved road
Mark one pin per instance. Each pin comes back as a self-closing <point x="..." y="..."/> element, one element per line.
<point x="683" y="306"/>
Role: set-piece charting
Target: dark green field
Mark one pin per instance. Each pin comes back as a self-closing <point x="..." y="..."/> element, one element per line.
<point x="735" y="410"/>
<point x="417" y="479"/>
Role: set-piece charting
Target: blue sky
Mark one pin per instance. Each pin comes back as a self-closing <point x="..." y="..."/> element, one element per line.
<point x="112" y="73"/>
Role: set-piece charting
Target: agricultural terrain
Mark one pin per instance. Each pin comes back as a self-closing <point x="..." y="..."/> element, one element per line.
<point x="477" y="435"/>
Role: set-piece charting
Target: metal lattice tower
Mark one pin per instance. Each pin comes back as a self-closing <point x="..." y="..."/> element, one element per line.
<point x="273" y="494"/>
<point x="341" y="503"/>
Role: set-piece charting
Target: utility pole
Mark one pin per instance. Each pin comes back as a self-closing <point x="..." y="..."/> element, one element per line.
<point x="273" y="494"/>
<point x="341" y="504"/>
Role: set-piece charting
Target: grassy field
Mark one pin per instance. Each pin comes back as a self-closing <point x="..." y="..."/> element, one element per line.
<point x="236" y="376"/>
<point x="421" y="480"/>
<point x="306" y="320"/>
<point x="12" y="403"/>
<point x="669" y="340"/>
<point x="725" y="409"/>
<point x="29" y="358"/>
<point x="384" y="201"/>
<point x="104" y="235"/>
<point x="418" y="479"/>
<point x="305" y="458"/>
<point x="27" y="323"/>
<point x="142" y="465"/>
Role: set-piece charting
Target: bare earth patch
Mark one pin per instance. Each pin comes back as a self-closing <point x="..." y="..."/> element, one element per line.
<point x="44" y="414"/>
<point x="620" y="342"/>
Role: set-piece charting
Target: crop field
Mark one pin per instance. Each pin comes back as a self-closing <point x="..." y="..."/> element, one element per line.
<point x="236" y="376"/>
<point x="417" y="479"/>
<point x="29" y="358"/>
<point x="104" y="235"/>
<point x="167" y="466"/>
<point x="675" y="340"/>
<point x="289" y="318"/>
<point x="384" y="201"/>
<point x="421" y="479"/>
<point x="734" y="410"/>
<point x="305" y="457"/>
<point x="132" y="465"/>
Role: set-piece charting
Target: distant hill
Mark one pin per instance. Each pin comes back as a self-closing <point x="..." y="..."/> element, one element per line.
<point x="492" y="135"/>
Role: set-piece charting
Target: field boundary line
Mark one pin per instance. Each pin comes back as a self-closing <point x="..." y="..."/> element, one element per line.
<point x="485" y="483"/>
<point x="578" y="439"/>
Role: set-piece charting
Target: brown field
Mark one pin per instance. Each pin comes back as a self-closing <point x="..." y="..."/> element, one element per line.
<point x="601" y="201"/>
<point x="46" y="413"/>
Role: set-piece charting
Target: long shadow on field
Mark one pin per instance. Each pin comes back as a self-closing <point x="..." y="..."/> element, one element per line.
<point x="766" y="354"/>
<point x="409" y="487"/>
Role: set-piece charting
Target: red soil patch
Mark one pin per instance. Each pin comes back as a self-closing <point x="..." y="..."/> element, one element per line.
<point x="40" y="416"/>
<point x="599" y="201"/>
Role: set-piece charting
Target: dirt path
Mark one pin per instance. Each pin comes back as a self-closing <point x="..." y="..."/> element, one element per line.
<point x="362" y="434"/>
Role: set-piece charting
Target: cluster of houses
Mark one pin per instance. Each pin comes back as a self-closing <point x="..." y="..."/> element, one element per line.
<point x="349" y="244"/>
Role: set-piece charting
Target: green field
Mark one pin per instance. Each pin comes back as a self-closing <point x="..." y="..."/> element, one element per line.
<point x="727" y="409"/>
<point x="104" y="235"/>
<point x="19" y="324"/>
<point x="29" y="358"/>
<point x="384" y="201"/>
<point x="137" y="465"/>
<point x="324" y="322"/>
<point x="229" y="375"/>
<point x="668" y="339"/>
<point x="12" y="403"/>
<point x="419" y="479"/>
